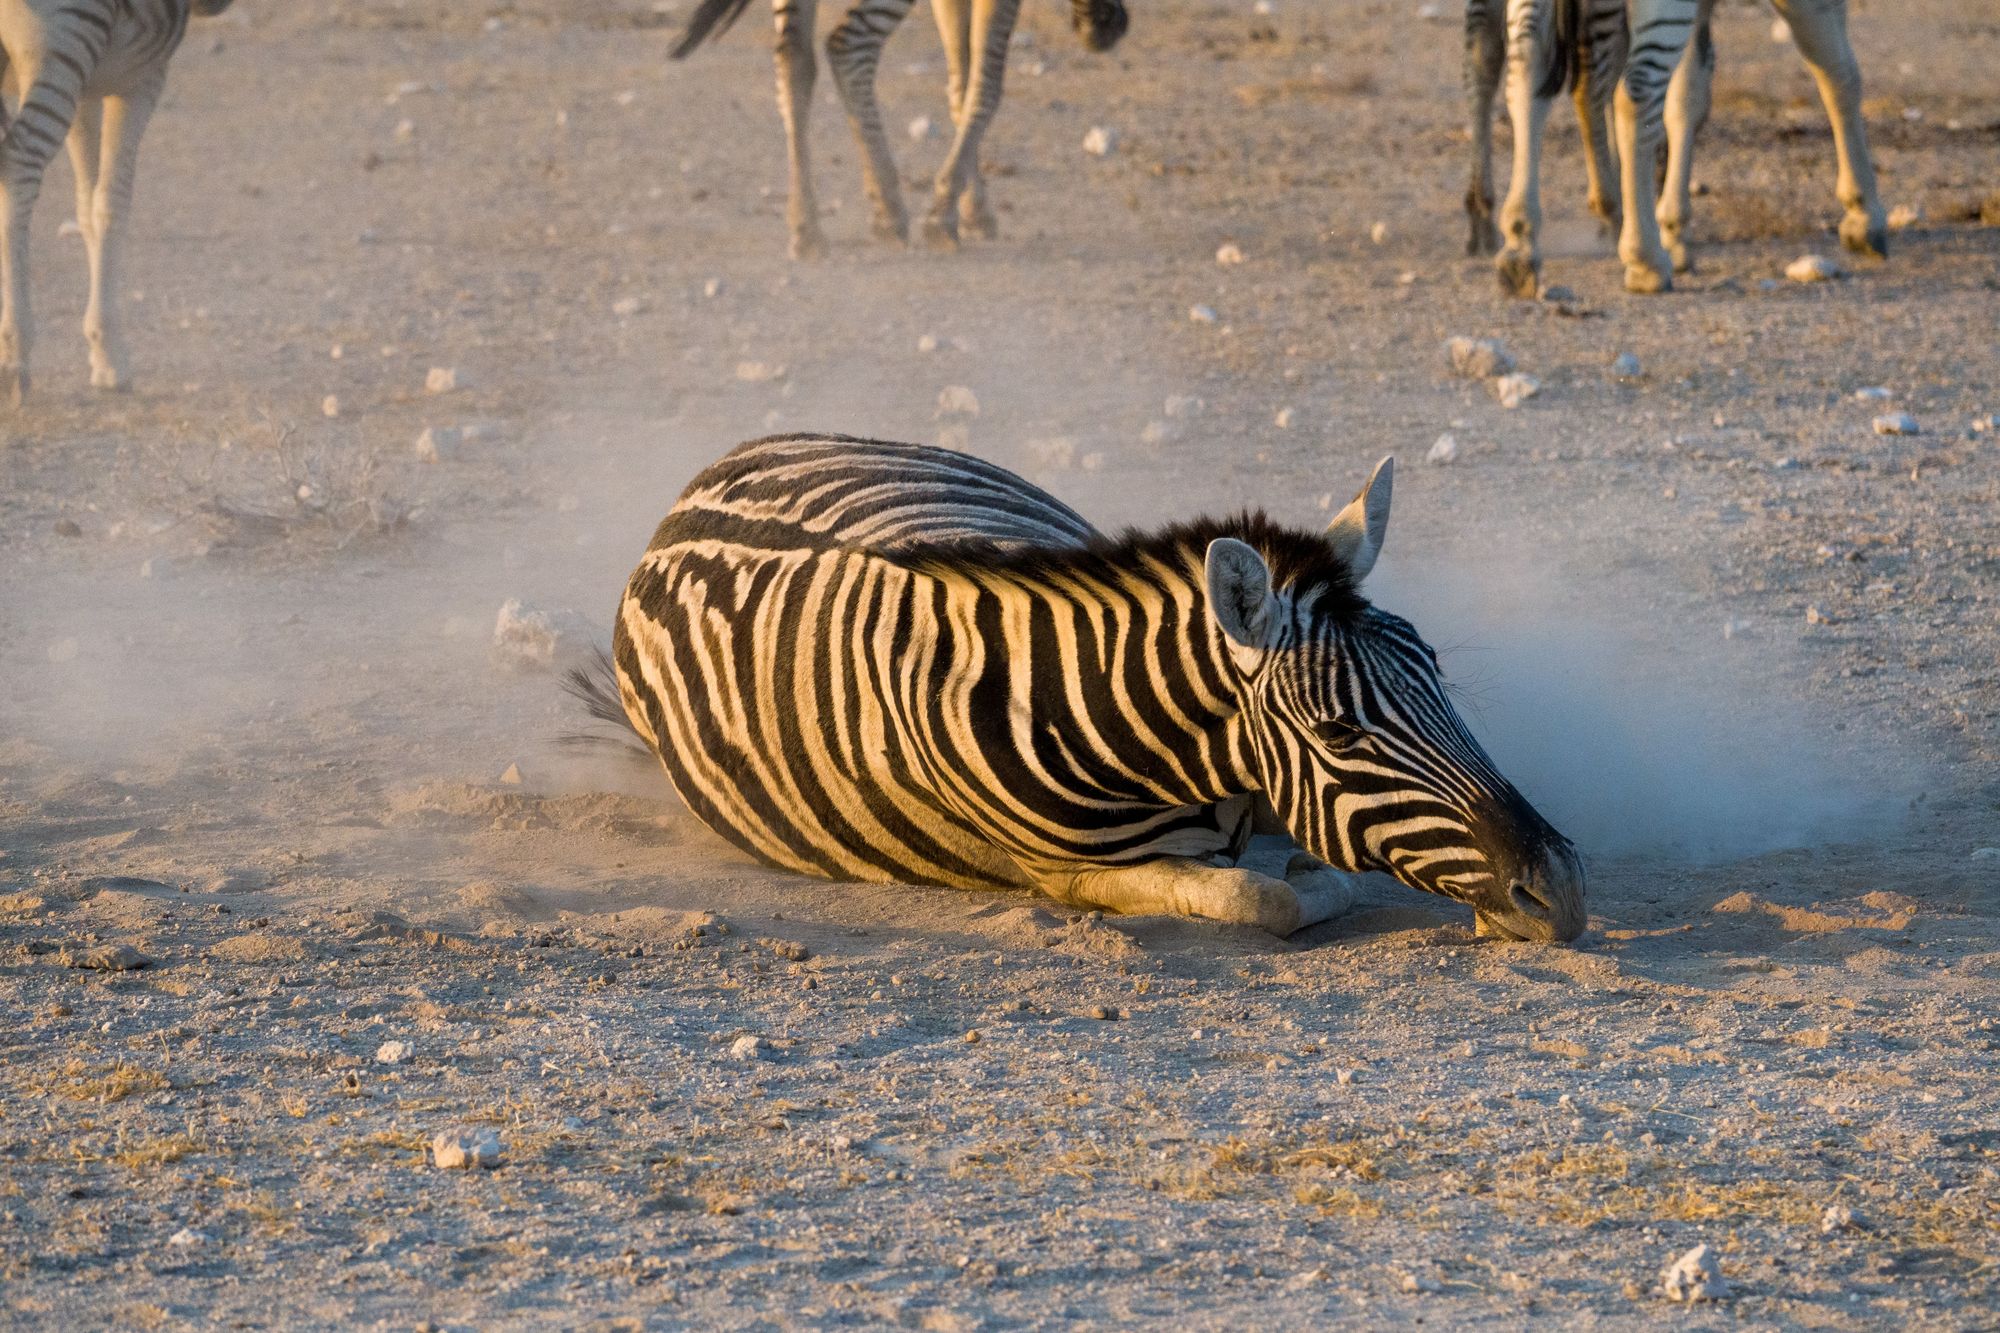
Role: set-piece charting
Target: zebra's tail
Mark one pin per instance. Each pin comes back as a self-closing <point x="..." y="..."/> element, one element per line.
<point x="595" y="686"/>
<point x="1566" y="43"/>
<point x="711" y="19"/>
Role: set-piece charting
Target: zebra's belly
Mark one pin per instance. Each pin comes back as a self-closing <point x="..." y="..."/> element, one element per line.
<point x="740" y="668"/>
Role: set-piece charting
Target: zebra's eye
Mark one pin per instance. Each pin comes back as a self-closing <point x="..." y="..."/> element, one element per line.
<point x="1338" y="734"/>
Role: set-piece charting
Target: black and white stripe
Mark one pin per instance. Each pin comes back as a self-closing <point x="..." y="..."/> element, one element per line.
<point x="89" y="71"/>
<point x="976" y="35"/>
<point x="891" y="662"/>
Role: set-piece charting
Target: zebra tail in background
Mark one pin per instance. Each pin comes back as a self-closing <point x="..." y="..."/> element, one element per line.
<point x="595" y="686"/>
<point x="711" y="19"/>
<point x="1566" y="43"/>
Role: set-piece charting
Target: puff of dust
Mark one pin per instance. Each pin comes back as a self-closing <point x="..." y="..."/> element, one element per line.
<point x="1639" y="736"/>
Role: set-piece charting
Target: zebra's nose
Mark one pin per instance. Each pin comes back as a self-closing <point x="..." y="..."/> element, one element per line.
<point x="1530" y="901"/>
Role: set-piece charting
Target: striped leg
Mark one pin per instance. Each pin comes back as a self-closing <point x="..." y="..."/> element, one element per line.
<point x="854" y="50"/>
<point x="1687" y="110"/>
<point x="954" y="22"/>
<point x="1819" y="27"/>
<point x="992" y="27"/>
<point x="1530" y="45"/>
<point x="1660" y="31"/>
<point x="1598" y="66"/>
<point x="47" y="109"/>
<point x="1485" y="57"/>
<point x="123" y="122"/>
<point x="1181" y="887"/>
<point x="796" y="72"/>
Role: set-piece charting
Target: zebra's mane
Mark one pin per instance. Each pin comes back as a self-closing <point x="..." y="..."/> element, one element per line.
<point x="1301" y="562"/>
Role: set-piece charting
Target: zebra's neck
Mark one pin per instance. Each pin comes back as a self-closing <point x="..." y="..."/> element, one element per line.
<point x="1117" y="683"/>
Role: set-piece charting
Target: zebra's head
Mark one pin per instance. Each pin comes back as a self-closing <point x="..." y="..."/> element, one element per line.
<point x="1357" y="744"/>
<point x="1101" y="22"/>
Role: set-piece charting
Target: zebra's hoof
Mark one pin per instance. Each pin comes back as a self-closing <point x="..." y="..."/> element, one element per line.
<point x="979" y="222"/>
<point x="808" y="244"/>
<point x="1646" y="280"/>
<point x="1484" y="240"/>
<point x="1519" y="274"/>
<point x="941" y="232"/>
<point x="14" y="384"/>
<point x="1863" y="236"/>
<point x="1678" y="254"/>
<point x="109" y="378"/>
<point x="893" y="228"/>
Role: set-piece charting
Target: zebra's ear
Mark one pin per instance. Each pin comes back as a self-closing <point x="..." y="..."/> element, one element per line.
<point x="1357" y="532"/>
<point x="1239" y="592"/>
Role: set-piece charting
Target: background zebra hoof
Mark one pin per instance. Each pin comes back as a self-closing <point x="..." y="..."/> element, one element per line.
<point x="1485" y="238"/>
<point x="13" y="384"/>
<point x="941" y="233"/>
<point x="810" y="244"/>
<point x="1863" y="237"/>
<point x="1678" y="254"/>
<point x="109" y="378"/>
<point x="979" y="222"/>
<point x="1646" y="280"/>
<point x="1519" y="274"/>
<point x="893" y="228"/>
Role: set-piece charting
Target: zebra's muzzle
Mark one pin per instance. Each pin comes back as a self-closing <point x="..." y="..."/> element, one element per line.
<point x="1544" y="904"/>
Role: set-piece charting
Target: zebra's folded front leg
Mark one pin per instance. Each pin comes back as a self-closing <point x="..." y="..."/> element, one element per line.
<point x="1323" y="892"/>
<point x="1179" y="886"/>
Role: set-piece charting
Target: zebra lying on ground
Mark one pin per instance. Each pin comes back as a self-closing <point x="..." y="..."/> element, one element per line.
<point x="1664" y="92"/>
<point x="891" y="662"/>
<point x="970" y="28"/>
<point x="91" y="70"/>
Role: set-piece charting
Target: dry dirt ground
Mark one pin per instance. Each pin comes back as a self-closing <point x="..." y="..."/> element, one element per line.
<point x="1738" y="644"/>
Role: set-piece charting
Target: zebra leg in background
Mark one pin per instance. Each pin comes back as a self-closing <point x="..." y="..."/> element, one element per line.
<point x="1180" y="886"/>
<point x="1660" y="31"/>
<point x="796" y="72"/>
<point x="954" y="21"/>
<point x="123" y="120"/>
<point x="1819" y="28"/>
<point x="1599" y="63"/>
<point x="1485" y="57"/>
<point x="991" y="29"/>
<point x="854" y="50"/>
<point x="1687" y="111"/>
<point x="1530" y="45"/>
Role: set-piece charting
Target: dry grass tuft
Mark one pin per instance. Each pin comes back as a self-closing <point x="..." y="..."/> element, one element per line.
<point x="102" y="1084"/>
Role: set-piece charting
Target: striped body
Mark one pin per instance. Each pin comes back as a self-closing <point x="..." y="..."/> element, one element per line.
<point x="1662" y="94"/>
<point x="891" y="662"/>
<point x="89" y="72"/>
<point x="976" y="35"/>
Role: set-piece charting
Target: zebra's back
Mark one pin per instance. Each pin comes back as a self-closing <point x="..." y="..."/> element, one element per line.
<point x="776" y="655"/>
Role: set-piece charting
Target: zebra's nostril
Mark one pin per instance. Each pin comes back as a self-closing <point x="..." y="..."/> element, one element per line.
<point x="1527" y="899"/>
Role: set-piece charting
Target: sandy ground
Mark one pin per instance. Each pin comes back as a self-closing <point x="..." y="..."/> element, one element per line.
<point x="1735" y="642"/>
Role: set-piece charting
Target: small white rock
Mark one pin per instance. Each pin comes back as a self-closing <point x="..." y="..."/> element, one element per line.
<point x="1896" y="423"/>
<point x="440" y="379"/>
<point x="927" y="344"/>
<point x="628" y="305"/>
<point x="1986" y="853"/>
<point x="1513" y="390"/>
<point x="1379" y="233"/>
<point x="1283" y="421"/>
<point x="920" y="127"/>
<point x="528" y="639"/>
<point x="1202" y="314"/>
<point x="1092" y="461"/>
<point x="461" y="1150"/>
<point x="1781" y="32"/>
<point x="1838" y="1217"/>
<point x="1815" y="616"/>
<point x="1812" y="268"/>
<point x="1982" y="425"/>
<point x="392" y="1053"/>
<point x="1156" y="432"/>
<point x="1100" y="141"/>
<point x="406" y="130"/>
<point x="955" y="400"/>
<point x="1228" y="253"/>
<point x="712" y="288"/>
<point x="1478" y="358"/>
<point x="1417" y="1284"/>
<point x="1057" y="454"/>
<point x="626" y="97"/>
<point x="1905" y="215"/>
<point x="1443" y="450"/>
<point x="1179" y="405"/>
<point x="187" y="1238"/>
<point x="1695" y="1276"/>
<point x="512" y="777"/>
<point x="1874" y="393"/>
<point x="747" y="1048"/>
<point x="758" y="372"/>
<point x="330" y="405"/>
<point x="1625" y="366"/>
<point x="438" y="443"/>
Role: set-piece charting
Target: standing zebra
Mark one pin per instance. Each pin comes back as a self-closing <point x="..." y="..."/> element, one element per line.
<point x="898" y="663"/>
<point x="1668" y="66"/>
<point x="91" y="70"/>
<point x="971" y="29"/>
